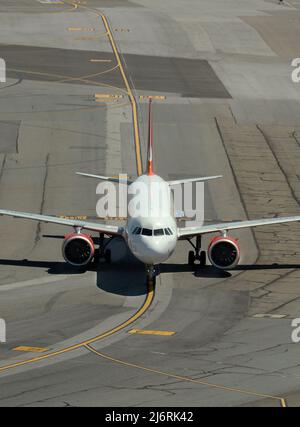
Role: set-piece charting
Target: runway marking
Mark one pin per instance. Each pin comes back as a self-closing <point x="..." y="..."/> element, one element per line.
<point x="63" y="79"/>
<point x="270" y="316"/>
<point x="51" y="2"/>
<point x="155" y="97"/>
<point x="31" y="349"/>
<point x="77" y="217"/>
<point x="147" y="303"/>
<point x="103" y="101"/>
<point x="150" y="285"/>
<point x="108" y="95"/>
<point x="36" y="282"/>
<point x="150" y="294"/>
<point x="281" y="400"/>
<point x="100" y="60"/>
<point x="81" y="29"/>
<point x="131" y="95"/>
<point x="122" y="30"/>
<point x="86" y="38"/>
<point x="126" y="82"/>
<point x="148" y="332"/>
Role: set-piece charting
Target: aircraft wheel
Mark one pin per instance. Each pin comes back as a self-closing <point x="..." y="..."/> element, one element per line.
<point x="202" y="258"/>
<point x="97" y="256"/>
<point x="107" y="256"/>
<point x="191" y="258"/>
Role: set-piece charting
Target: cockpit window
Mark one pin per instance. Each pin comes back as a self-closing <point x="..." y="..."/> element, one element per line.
<point x="159" y="232"/>
<point x="146" y="232"/>
<point x="167" y="232"/>
<point x="170" y="231"/>
<point x="137" y="230"/>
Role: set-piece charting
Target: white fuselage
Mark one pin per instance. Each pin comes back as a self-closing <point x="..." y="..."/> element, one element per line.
<point x="151" y="226"/>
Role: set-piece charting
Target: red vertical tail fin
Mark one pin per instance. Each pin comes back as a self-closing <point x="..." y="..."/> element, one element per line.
<point x="150" y="141"/>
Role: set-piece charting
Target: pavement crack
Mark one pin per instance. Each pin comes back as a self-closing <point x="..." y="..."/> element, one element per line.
<point x="2" y="166"/>
<point x="49" y="305"/>
<point x="266" y="138"/>
<point x="38" y="228"/>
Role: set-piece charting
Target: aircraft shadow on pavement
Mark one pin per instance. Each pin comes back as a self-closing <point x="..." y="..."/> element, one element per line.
<point x="125" y="275"/>
<point x="53" y="267"/>
<point x="125" y="278"/>
<point x="212" y="272"/>
<point x="274" y="266"/>
<point x="204" y="272"/>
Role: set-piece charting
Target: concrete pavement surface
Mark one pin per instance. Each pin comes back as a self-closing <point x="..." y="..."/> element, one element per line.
<point x="225" y="104"/>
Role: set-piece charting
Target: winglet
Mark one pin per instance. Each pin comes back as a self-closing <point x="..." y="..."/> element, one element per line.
<point x="150" y="141"/>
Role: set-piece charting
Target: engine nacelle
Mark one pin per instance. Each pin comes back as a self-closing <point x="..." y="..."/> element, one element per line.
<point x="78" y="249"/>
<point x="224" y="252"/>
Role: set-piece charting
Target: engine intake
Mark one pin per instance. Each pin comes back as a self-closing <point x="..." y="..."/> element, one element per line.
<point x="78" y="249"/>
<point x="224" y="252"/>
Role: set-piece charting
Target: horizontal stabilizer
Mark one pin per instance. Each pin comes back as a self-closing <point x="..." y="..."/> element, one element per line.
<point x="185" y="181"/>
<point x="106" y="178"/>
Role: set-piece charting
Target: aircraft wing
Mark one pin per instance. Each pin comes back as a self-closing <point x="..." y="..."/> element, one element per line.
<point x="199" y="179"/>
<point x="116" y="180"/>
<point x="211" y="228"/>
<point x="93" y="226"/>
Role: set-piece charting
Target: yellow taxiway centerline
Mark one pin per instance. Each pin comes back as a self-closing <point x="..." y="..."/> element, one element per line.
<point x="148" y="301"/>
<point x="187" y="379"/>
<point x="149" y="332"/>
<point x="150" y="295"/>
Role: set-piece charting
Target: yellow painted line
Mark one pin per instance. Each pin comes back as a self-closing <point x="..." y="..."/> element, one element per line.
<point x="108" y="95"/>
<point x="52" y="2"/>
<point x="130" y="93"/>
<point x="148" y="301"/>
<point x="66" y="78"/>
<point x="188" y="379"/>
<point x="31" y="349"/>
<point x="80" y="29"/>
<point x="87" y="38"/>
<point x="155" y="97"/>
<point x="100" y="60"/>
<point x="126" y="82"/>
<point x="105" y="101"/>
<point x="148" y="332"/>
<point x="150" y="290"/>
<point x="80" y="217"/>
<point x="112" y="218"/>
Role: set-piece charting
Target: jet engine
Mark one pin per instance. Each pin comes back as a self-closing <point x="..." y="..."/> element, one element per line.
<point x="78" y="249"/>
<point x="224" y="252"/>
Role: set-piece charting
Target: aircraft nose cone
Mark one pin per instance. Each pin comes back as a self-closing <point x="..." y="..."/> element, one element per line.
<point x="155" y="251"/>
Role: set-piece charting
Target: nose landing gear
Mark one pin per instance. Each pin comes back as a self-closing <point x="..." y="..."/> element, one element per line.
<point x="151" y="271"/>
<point x="197" y="254"/>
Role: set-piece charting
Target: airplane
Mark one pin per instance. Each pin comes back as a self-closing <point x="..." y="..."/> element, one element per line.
<point x="152" y="239"/>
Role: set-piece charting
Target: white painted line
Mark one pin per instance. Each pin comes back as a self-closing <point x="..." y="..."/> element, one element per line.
<point x="270" y="316"/>
<point x="38" y="281"/>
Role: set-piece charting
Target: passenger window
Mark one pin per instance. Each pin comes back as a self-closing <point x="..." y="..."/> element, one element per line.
<point x="147" y="232"/>
<point x="159" y="232"/>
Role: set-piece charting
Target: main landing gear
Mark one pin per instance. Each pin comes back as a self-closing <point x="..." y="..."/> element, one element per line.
<point x="197" y="254"/>
<point x="101" y="252"/>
